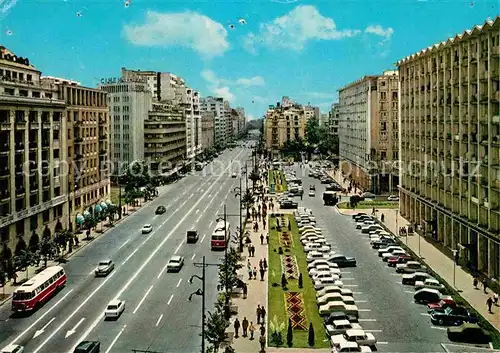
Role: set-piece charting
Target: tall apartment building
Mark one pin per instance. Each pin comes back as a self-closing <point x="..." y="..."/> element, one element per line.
<point x="129" y="102"/>
<point x="450" y="144"/>
<point x="333" y="120"/>
<point x="228" y="117"/>
<point x="368" y="132"/>
<point x="216" y="105"/>
<point x="165" y="137"/>
<point x="312" y="112"/>
<point x="87" y="142"/>
<point x="207" y="130"/>
<point x="167" y="87"/>
<point x="33" y="137"/>
<point x="323" y="120"/>
<point x="241" y="120"/>
<point x="284" y="124"/>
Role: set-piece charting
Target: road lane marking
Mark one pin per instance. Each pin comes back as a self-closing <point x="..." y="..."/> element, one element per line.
<point x="91" y="272"/>
<point x="42" y="330"/>
<point x="121" y="246"/>
<point x="425" y="314"/>
<point x="41" y="317"/>
<point x="190" y="196"/>
<point x="361" y="301"/>
<point x="364" y="310"/>
<point x="203" y="238"/>
<point x="143" y="299"/>
<point x="348" y="279"/>
<point x="197" y="211"/>
<point x="162" y="270"/>
<point x="73" y="313"/>
<point x="350" y="285"/>
<point x="73" y="330"/>
<point x="367" y="320"/>
<point x="357" y="293"/>
<point x="382" y="342"/>
<point x="211" y="223"/>
<point x="198" y="219"/>
<point x="179" y="283"/>
<point x="116" y="339"/>
<point x="170" y="300"/>
<point x="192" y="257"/>
<point x="159" y="319"/>
<point x="177" y="249"/>
<point x="372" y="331"/>
<point x="150" y="257"/>
<point x="177" y="198"/>
<point x="439" y="328"/>
<point x="409" y="291"/>
<point x="128" y="257"/>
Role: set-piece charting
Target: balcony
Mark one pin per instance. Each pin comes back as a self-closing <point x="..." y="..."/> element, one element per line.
<point x="78" y="140"/>
<point x="46" y="125"/>
<point x="34" y="125"/>
<point x="103" y="137"/>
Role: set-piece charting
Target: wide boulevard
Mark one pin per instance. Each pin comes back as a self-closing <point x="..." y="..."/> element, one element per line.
<point x="158" y="316"/>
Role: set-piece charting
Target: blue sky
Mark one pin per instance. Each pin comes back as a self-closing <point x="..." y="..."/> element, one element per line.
<point x="250" y="52"/>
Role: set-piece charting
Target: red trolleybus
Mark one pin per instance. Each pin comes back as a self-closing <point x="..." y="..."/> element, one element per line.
<point x="37" y="290"/>
<point x="220" y="236"/>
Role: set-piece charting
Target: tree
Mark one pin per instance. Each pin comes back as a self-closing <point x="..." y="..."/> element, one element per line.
<point x="48" y="249"/>
<point x="310" y="337"/>
<point x="289" y="334"/>
<point x="215" y="329"/>
<point x="24" y="260"/>
<point x="247" y="200"/>
<point x="312" y="132"/>
<point x="228" y="276"/>
<point x="254" y="177"/>
<point x="301" y="281"/>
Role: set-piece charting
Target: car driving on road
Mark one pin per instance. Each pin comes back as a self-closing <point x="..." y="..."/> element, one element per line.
<point x="147" y="228"/>
<point x="114" y="309"/>
<point x="160" y="210"/>
<point x="175" y="264"/>
<point x="104" y="268"/>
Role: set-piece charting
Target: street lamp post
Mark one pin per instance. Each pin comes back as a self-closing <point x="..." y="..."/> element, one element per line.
<point x="239" y="193"/>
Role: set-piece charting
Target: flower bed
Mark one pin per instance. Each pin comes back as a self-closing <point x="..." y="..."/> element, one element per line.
<point x="295" y="310"/>
<point x="289" y="267"/>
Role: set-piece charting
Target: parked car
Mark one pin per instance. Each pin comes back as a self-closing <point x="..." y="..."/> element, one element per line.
<point x="409" y="267"/>
<point x="383" y="243"/>
<point x="160" y="210"/>
<point x="175" y="263"/>
<point x="147" y="228"/>
<point x="364" y="223"/>
<point x="360" y="337"/>
<point x="339" y="315"/>
<point x="350" y="347"/>
<point x="427" y="295"/>
<point x="368" y="195"/>
<point x="393" y="198"/>
<point x="324" y="274"/>
<point x="88" y="347"/>
<point x="414" y="277"/>
<point x="359" y="214"/>
<point x="114" y="309"/>
<point x="312" y="193"/>
<point x="330" y="307"/>
<point x="401" y="259"/>
<point x="468" y="333"/>
<point x="12" y="348"/>
<point x="386" y="256"/>
<point x="324" y="282"/>
<point x="334" y="297"/>
<point x="334" y="289"/>
<point x="442" y="304"/>
<point x="341" y="326"/>
<point x="390" y="249"/>
<point x="288" y="204"/>
<point x="104" y="268"/>
<point x="321" y="262"/>
<point x="429" y="283"/>
<point x="370" y="228"/>
<point x="325" y="269"/>
<point x="315" y="255"/>
<point x="342" y="261"/>
<point x="452" y="316"/>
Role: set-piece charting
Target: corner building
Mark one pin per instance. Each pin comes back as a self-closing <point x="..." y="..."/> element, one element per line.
<point x="450" y="145"/>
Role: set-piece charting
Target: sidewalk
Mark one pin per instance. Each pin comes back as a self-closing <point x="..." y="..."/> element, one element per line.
<point x="441" y="264"/>
<point x="339" y="178"/>
<point x="9" y="288"/>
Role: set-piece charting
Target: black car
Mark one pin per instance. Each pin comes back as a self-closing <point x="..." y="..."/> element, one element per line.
<point x="88" y="347"/>
<point x="468" y="333"/>
<point x="452" y="316"/>
<point x="384" y="242"/>
<point x="192" y="236"/>
<point x="289" y="204"/>
<point x="338" y="315"/>
<point x="160" y="210"/>
<point x="333" y="187"/>
<point x="343" y="261"/>
<point x="359" y="214"/>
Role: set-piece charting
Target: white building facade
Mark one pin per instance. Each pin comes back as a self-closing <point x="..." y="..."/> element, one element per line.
<point x="216" y="105"/>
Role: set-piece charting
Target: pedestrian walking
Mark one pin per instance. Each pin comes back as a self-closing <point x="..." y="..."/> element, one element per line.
<point x="255" y="272"/>
<point x="262" y="274"/>
<point x="489" y="302"/>
<point x="262" y="341"/>
<point x="248" y="263"/>
<point x="263" y="315"/>
<point x="244" y="326"/>
<point x="485" y="285"/>
<point x="382" y="218"/>
<point x="475" y="282"/>
<point x="495" y="299"/>
<point x="262" y="239"/>
<point x="262" y="329"/>
<point x="249" y="250"/>
<point x="264" y="263"/>
<point x="264" y="223"/>
<point x="250" y="272"/>
<point x="236" y="327"/>
<point x="245" y="290"/>
<point x="259" y="311"/>
<point x="251" y="328"/>
<point x="253" y="250"/>
<point x="261" y="264"/>
<point x="267" y="238"/>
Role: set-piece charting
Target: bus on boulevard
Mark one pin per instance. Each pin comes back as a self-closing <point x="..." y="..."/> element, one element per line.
<point x="220" y="236"/>
<point x="37" y="290"/>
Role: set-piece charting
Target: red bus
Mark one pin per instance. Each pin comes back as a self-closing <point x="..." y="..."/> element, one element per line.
<point x="220" y="236"/>
<point x="34" y="292"/>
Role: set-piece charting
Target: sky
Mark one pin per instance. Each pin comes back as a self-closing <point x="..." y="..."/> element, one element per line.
<point x="249" y="52"/>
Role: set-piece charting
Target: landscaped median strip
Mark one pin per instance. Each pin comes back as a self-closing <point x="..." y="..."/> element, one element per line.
<point x="291" y="302"/>
<point x="495" y="335"/>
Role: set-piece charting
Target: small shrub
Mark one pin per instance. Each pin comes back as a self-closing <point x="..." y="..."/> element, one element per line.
<point x="289" y="334"/>
<point x="310" y="337"/>
<point x="276" y="339"/>
<point x="301" y="281"/>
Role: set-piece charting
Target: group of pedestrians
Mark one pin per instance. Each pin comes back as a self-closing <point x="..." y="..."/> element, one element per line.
<point x="252" y="271"/>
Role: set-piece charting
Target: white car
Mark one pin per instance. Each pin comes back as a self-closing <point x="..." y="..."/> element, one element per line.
<point x="339" y="327"/>
<point x="393" y="198"/>
<point x="387" y="255"/>
<point x="312" y="193"/>
<point x="309" y="228"/>
<point x="310" y="239"/>
<point x="360" y="337"/>
<point x="370" y="228"/>
<point x="410" y="267"/>
<point x="324" y="275"/>
<point x="325" y="268"/>
<point x="314" y="255"/>
<point x="362" y="224"/>
<point x="331" y="307"/>
<point x="234" y="175"/>
<point x="104" y="268"/>
<point x="147" y="228"/>
<point x="321" y="262"/>
<point x="334" y="297"/>
<point x="334" y="289"/>
<point x="389" y="249"/>
<point x="12" y="348"/>
<point x="114" y="309"/>
<point x="308" y="247"/>
<point x="430" y="283"/>
<point x="175" y="264"/>
<point x="325" y="282"/>
<point x="350" y="347"/>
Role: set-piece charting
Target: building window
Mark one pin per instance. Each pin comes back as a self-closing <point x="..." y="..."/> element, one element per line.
<point x="383" y="95"/>
<point x="34" y="222"/>
<point x="20" y="228"/>
<point x="395" y="155"/>
<point x="383" y="126"/>
<point x="46" y="216"/>
<point x="383" y="155"/>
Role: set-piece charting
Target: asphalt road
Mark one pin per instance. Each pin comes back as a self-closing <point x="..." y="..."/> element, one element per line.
<point x="386" y="306"/>
<point x="158" y="316"/>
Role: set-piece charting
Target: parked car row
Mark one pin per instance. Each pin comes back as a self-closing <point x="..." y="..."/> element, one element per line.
<point x="428" y="290"/>
<point x="318" y="172"/>
<point x="324" y="269"/>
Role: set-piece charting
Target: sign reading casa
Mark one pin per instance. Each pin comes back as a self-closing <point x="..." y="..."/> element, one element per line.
<point x="115" y="80"/>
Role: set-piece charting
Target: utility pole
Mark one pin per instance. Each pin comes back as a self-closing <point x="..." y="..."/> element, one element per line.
<point x="119" y="198"/>
<point x="239" y="192"/>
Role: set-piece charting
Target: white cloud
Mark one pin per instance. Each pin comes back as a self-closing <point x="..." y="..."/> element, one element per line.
<point x="252" y="81"/>
<point x="215" y="85"/>
<point x="378" y="30"/>
<point x="260" y="100"/>
<point x="224" y="92"/>
<point x="210" y="77"/>
<point x="293" y="30"/>
<point x="6" y="5"/>
<point x="251" y="117"/>
<point x="188" y="29"/>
